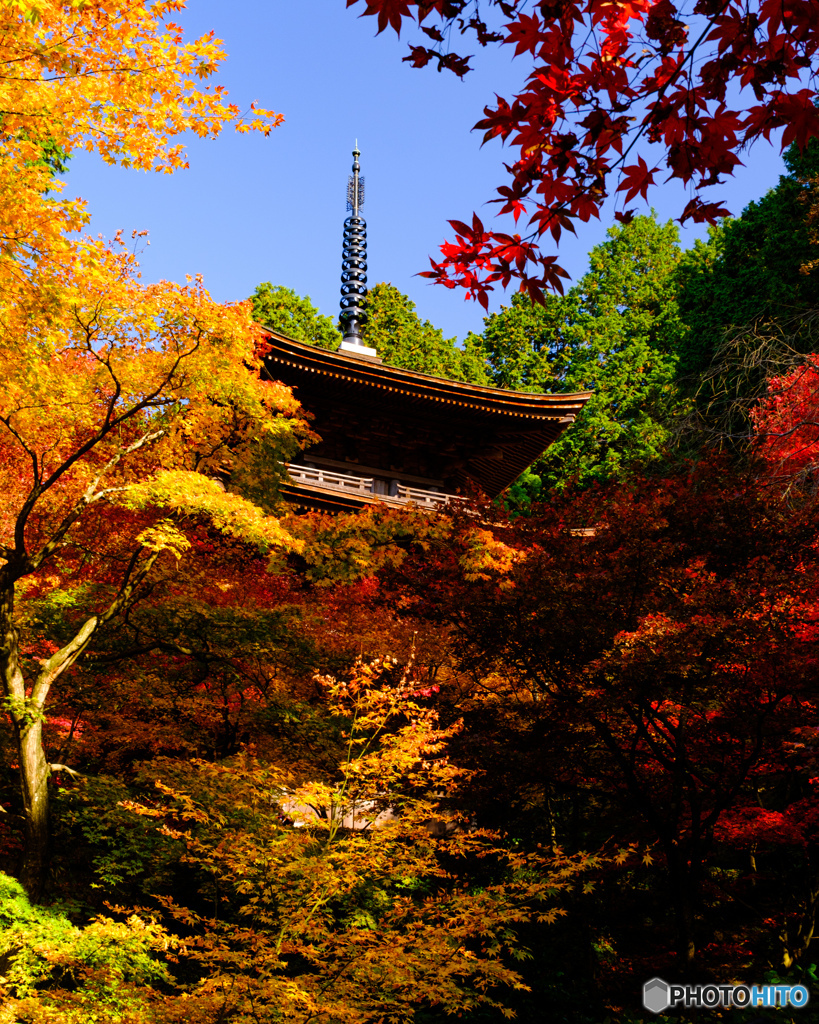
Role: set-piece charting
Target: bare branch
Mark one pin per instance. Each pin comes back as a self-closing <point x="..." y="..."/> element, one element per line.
<point x="64" y="768"/>
<point x="740" y="375"/>
<point x="90" y="496"/>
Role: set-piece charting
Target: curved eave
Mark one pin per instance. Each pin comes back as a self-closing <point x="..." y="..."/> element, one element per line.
<point x="520" y="449"/>
<point x="371" y="373"/>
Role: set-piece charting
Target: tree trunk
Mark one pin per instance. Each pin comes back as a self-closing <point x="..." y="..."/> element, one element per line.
<point x="27" y="717"/>
<point x="684" y="900"/>
<point x="800" y="929"/>
<point x="34" y="772"/>
<point x="684" y="921"/>
<point x="26" y="706"/>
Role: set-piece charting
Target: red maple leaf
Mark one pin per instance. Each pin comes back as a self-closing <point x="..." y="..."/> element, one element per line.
<point x="389" y="12"/>
<point x="799" y="116"/>
<point x="637" y="178"/>
<point x="419" y="56"/>
<point x="525" y="34"/>
<point x="701" y="212"/>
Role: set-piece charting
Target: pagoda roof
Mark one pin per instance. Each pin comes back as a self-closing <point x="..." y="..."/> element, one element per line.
<point x="423" y="387"/>
<point x="516" y="426"/>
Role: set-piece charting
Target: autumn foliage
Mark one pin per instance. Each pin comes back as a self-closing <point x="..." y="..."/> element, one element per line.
<point x="618" y="98"/>
<point x="642" y="660"/>
<point x="786" y="425"/>
<point x="76" y="73"/>
<point x="628" y="670"/>
<point x="105" y="381"/>
<point x="394" y="765"/>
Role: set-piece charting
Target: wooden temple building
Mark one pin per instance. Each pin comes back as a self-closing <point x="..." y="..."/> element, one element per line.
<point x="397" y="436"/>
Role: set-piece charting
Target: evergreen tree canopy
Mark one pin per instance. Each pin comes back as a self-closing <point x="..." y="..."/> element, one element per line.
<point x="615" y="333"/>
<point x="525" y="345"/>
<point x="281" y="308"/>
<point x="402" y="339"/>
<point x="750" y="269"/>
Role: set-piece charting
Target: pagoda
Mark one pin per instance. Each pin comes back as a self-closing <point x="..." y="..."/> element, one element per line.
<point x="398" y="436"/>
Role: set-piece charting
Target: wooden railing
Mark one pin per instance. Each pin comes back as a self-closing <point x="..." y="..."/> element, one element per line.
<point x="337" y="481"/>
<point x="430" y="499"/>
<point x="364" y="485"/>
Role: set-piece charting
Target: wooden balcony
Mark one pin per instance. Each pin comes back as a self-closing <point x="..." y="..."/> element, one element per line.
<point x="430" y="499"/>
<point x="361" y="490"/>
<point x="335" y="481"/>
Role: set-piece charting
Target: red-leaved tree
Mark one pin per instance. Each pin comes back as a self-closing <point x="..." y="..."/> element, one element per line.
<point x="786" y="423"/>
<point x="621" y="96"/>
<point x="653" y="649"/>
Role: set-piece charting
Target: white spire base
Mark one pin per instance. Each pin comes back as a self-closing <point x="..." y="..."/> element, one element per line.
<point x="357" y="350"/>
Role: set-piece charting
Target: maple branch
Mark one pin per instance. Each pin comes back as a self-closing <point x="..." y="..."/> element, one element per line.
<point x="637" y="790"/>
<point x="89" y="332"/>
<point x="35" y="466"/>
<point x="566" y="207"/>
<point x="64" y="768"/>
<point x="747" y="762"/>
<point x="151" y="401"/>
<point x="331" y="980"/>
<point x="689" y="57"/>
<point x="116" y="657"/>
<point x="63" y="659"/>
<point x="670" y="87"/>
<point x="91" y="495"/>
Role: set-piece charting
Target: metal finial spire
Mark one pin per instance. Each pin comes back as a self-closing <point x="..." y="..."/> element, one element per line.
<point x="354" y="265"/>
<point x="355" y="185"/>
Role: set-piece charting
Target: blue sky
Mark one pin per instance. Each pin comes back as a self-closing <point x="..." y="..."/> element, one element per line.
<point x="254" y="209"/>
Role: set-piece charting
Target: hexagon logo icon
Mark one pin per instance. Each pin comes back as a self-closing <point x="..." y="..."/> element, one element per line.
<point x="655" y="995"/>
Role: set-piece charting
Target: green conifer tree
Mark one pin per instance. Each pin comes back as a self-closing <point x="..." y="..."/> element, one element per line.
<point x="281" y="308"/>
<point x="403" y="339"/>
<point x="615" y="333"/>
<point x="750" y="268"/>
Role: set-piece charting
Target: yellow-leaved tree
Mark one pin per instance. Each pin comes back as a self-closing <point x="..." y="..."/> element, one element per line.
<point x="120" y="403"/>
<point x="360" y="898"/>
<point x="101" y="75"/>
